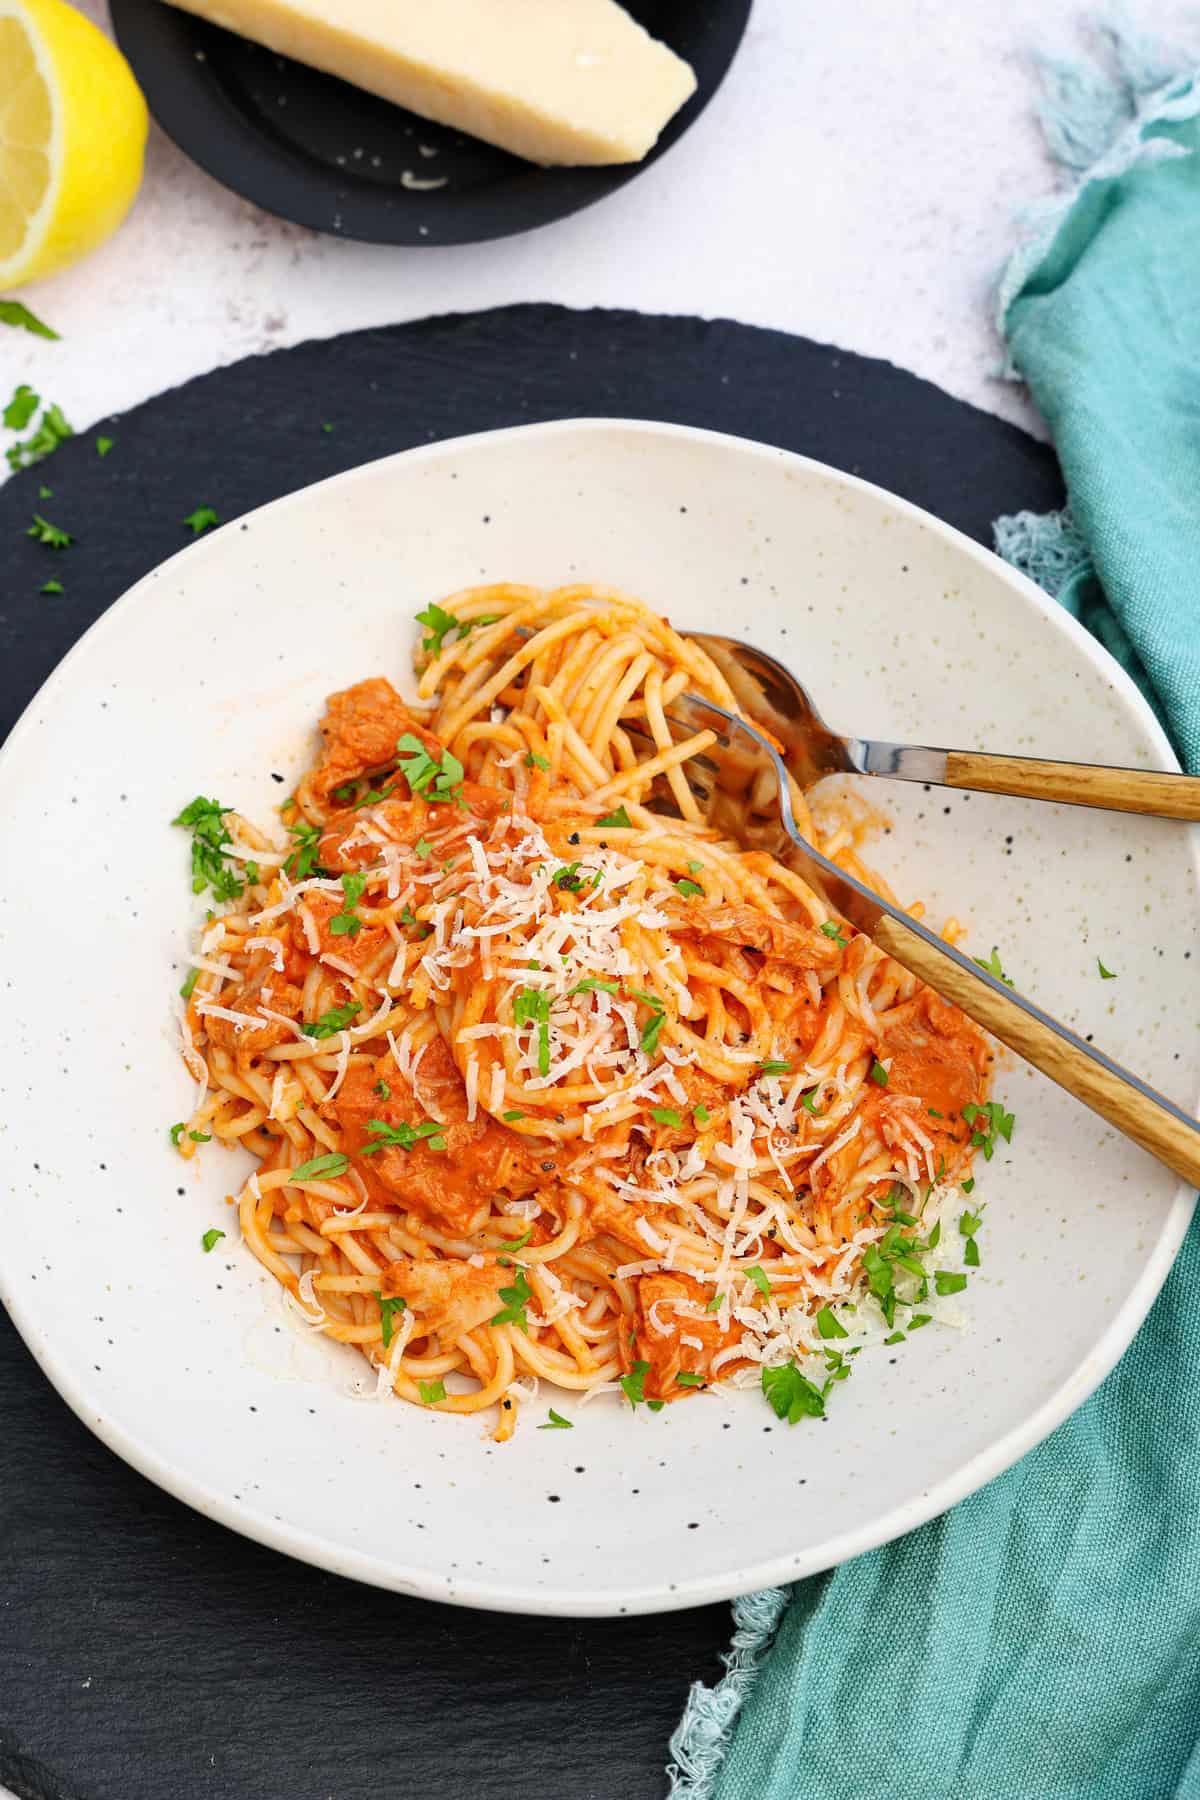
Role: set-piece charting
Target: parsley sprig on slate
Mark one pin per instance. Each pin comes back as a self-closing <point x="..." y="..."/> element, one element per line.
<point x="52" y="429"/>
<point x="53" y="536"/>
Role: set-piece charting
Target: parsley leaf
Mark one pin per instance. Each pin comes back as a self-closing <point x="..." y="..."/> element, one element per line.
<point x="439" y="623"/>
<point x="568" y="878"/>
<point x="52" y="536"/>
<point x="389" y="1305"/>
<point x="516" y="1298"/>
<point x="211" y="1238"/>
<point x="347" y="922"/>
<point x="306" y="838"/>
<point x="1105" y="974"/>
<point x="828" y="1326"/>
<point x="760" y="1280"/>
<point x="684" y="886"/>
<point x="968" y="1187"/>
<point x="103" y="446"/>
<point x="969" y="1223"/>
<point x="440" y="781"/>
<point x="992" y="966"/>
<point x="776" y="1066"/>
<point x="534" y="761"/>
<point x="21" y="408"/>
<point x="666" y="1115"/>
<point x="971" y="1253"/>
<point x="809" y="1103"/>
<point x="189" y="983"/>
<point x="203" y="519"/>
<point x="714" y="1304"/>
<point x="617" y="821"/>
<point x="333" y="1021"/>
<point x="919" y="1319"/>
<point x="205" y="819"/>
<point x="12" y="312"/>
<point x="879" y="1074"/>
<point x="556" y="1422"/>
<point x="833" y="929"/>
<point x="403" y="1136"/>
<point x="532" y="1007"/>
<point x="634" y="1384"/>
<point x="52" y="587"/>
<point x="52" y="430"/>
<point x="509" y="1117"/>
<point x="686" y="1378"/>
<point x="432" y="1392"/>
<point x="177" y="1132"/>
<point x="422" y="848"/>
<point x="200" y="1137"/>
<point x="318" y="1167"/>
<point x="701" y="1114"/>
<point x="593" y="984"/>
<point x="791" y="1395"/>
<point x="897" y="1337"/>
<point x="946" y="1282"/>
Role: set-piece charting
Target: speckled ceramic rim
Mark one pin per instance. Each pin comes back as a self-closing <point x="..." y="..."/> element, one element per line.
<point x="835" y="1549"/>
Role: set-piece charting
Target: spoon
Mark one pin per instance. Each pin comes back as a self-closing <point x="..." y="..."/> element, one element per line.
<point x="769" y="692"/>
<point x="741" y="781"/>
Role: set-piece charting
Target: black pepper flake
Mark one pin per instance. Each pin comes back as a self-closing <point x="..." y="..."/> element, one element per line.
<point x="547" y="1168"/>
<point x="508" y="1406"/>
<point x="275" y="777"/>
<point x="574" y="838"/>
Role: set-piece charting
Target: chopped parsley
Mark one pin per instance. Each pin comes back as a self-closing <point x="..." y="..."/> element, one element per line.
<point x="666" y="1115"/>
<point x="103" y="446"/>
<point x="177" y="1132"/>
<point x="568" y="878"/>
<point x="347" y="922"/>
<point x="389" y="1306"/>
<point x="634" y="1384"/>
<point x="879" y="1074"/>
<point x="919" y="1319"/>
<point x="809" y="1103"/>
<point x="382" y="1089"/>
<point x="830" y="1326"/>
<point x="969" y="1224"/>
<point x="516" y="1298"/>
<point x="21" y="408"/>
<point x="760" y="1281"/>
<point x="52" y="536"/>
<point x="995" y="1123"/>
<point x="593" y="984"/>
<point x="685" y="887"/>
<point x="205" y="819"/>
<point x="202" y="519"/>
<point x="791" y="1395"/>
<point x="833" y="929"/>
<point x="896" y="1255"/>
<point x="52" y="587"/>
<point x="534" y="761"/>
<point x="422" y="848"/>
<point x="686" y="1378"/>
<point x="432" y="1392"/>
<point x="52" y="430"/>
<point x="509" y="1118"/>
<point x="13" y="312"/>
<point x="440" y="781"/>
<point x="616" y="821"/>
<point x="333" y="1021"/>
<point x="211" y="1239"/>
<point x="945" y="1281"/>
<point x="1105" y="974"/>
<point x="968" y="1187"/>
<point x="776" y="1066"/>
<point x="532" y="1007"/>
<point x="306" y="839"/>
<point x="403" y="1136"/>
<point x="654" y="1024"/>
<point x="556" y="1422"/>
<point x="701" y="1114"/>
<point x="897" y="1337"/>
<point x="714" y="1304"/>
<point x="319" y="1167"/>
<point x="439" y="622"/>
<point x="518" y="1243"/>
<point x="188" y="986"/>
<point x="200" y="1137"/>
<point x="991" y="965"/>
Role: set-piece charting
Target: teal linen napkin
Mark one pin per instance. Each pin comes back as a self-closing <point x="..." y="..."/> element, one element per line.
<point x="1041" y="1641"/>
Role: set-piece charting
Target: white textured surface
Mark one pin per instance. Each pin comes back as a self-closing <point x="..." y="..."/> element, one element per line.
<point x="854" y="180"/>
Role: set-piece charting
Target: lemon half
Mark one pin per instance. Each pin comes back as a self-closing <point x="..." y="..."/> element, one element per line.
<point x="72" y="136"/>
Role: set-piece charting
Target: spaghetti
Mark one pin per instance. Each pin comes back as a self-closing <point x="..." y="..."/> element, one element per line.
<point x="547" y="1086"/>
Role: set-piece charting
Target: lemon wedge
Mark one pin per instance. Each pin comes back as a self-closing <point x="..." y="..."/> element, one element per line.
<point x="72" y="135"/>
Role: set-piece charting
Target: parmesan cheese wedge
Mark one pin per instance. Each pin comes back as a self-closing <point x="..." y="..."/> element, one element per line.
<point x="557" y="81"/>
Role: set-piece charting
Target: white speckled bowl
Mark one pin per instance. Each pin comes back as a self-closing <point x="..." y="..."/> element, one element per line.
<point x="211" y="674"/>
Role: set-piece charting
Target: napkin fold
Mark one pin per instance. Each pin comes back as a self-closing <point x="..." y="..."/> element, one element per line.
<point x="1041" y="1641"/>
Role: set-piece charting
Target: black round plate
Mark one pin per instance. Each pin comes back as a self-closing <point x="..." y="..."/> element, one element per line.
<point x="324" y="154"/>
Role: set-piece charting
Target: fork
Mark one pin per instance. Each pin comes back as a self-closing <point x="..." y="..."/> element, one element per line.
<point x="742" y="783"/>
<point x="769" y="692"/>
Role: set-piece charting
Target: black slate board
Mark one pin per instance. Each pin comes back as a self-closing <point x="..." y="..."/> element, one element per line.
<point x="145" y="1652"/>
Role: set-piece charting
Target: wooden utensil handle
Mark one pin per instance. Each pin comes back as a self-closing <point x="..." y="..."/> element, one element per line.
<point x="1136" y="1113"/>
<point x="1079" y="784"/>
